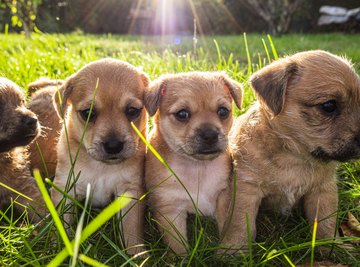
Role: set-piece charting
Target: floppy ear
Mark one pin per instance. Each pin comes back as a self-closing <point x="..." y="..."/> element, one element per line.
<point x="235" y="89"/>
<point x="145" y="79"/>
<point x="152" y="96"/>
<point x="271" y="82"/>
<point x="61" y="96"/>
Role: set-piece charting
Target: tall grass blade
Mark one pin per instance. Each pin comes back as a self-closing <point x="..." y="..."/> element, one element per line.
<point x="291" y="264"/>
<point x="249" y="64"/>
<point x="15" y="191"/>
<point x="313" y="239"/>
<point x="196" y="246"/>
<point x="273" y="49"/>
<point x="91" y="261"/>
<point x="249" y="239"/>
<point x="80" y="226"/>
<point x="94" y="225"/>
<point x="266" y="50"/>
<point x="53" y="212"/>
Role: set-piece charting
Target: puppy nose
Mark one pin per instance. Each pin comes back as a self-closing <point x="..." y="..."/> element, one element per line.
<point x="209" y="136"/>
<point x="113" y="146"/>
<point x="30" y="122"/>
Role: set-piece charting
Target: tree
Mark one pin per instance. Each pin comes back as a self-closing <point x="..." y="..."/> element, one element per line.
<point x="276" y="13"/>
<point x="23" y="14"/>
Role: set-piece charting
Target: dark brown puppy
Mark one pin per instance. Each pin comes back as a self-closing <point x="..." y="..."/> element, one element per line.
<point x="286" y="147"/>
<point x="18" y="127"/>
<point x="43" y="155"/>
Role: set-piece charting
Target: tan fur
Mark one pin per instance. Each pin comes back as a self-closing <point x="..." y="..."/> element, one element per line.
<point x="287" y="145"/>
<point x="18" y="127"/>
<point x="117" y="86"/>
<point x="43" y="155"/>
<point x="205" y="176"/>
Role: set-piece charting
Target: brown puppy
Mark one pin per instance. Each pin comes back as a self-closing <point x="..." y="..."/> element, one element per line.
<point x="110" y="156"/>
<point x="43" y="151"/>
<point x="18" y="127"/>
<point x="287" y="146"/>
<point x="191" y="125"/>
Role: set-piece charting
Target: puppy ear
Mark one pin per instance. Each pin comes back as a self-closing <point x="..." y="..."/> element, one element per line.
<point x="271" y="82"/>
<point x="235" y="89"/>
<point x="145" y="79"/>
<point x="61" y="96"/>
<point x="152" y="96"/>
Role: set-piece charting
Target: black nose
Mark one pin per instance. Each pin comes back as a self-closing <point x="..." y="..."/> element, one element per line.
<point x="113" y="146"/>
<point x="30" y="122"/>
<point x="209" y="136"/>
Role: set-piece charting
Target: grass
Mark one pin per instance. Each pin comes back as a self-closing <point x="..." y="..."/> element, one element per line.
<point x="282" y="241"/>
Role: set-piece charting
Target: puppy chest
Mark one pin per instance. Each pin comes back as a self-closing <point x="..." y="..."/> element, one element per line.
<point x="106" y="184"/>
<point x="203" y="181"/>
<point x="286" y="188"/>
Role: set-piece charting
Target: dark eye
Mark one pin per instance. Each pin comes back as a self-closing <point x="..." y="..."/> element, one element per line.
<point x="132" y="113"/>
<point x="223" y="113"/>
<point x="329" y="106"/>
<point x="85" y="114"/>
<point x="182" y="115"/>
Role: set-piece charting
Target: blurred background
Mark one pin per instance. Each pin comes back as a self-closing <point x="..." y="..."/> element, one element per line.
<point x="172" y="17"/>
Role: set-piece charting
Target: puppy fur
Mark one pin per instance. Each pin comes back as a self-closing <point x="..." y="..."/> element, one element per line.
<point x="111" y="155"/>
<point x="286" y="147"/>
<point x="18" y="127"/>
<point x="191" y="125"/>
<point x="43" y="155"/>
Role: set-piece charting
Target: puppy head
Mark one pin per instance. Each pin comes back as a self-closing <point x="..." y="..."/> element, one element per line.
<point x="18" y="125"/>
<point x="194" y="111"/>
<point x="109" y="93"/>
<point x="313" y="99"/>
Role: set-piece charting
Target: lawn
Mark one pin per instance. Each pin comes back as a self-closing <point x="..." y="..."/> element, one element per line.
<point x="58" y="56"/>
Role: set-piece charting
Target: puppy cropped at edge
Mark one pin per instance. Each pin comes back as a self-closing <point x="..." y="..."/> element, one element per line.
<point x="111" y="155"/>
<point x="193" y="116"/>
<point x="286" y="147"/>
<point x="43" y="155"/>
<point x="18" y="128"/>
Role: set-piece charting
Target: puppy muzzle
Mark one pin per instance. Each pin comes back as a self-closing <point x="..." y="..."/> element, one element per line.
<point x="208" y="143"/>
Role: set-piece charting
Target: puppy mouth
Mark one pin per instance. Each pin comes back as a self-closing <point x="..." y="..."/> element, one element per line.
<point x="346" y="154"/>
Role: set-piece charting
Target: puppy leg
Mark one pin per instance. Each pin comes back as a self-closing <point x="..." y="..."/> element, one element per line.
<point x="323" y="198"/>
<point x="247" y="201"/>
<point x="172" y="224"/>
<point x="132" y="225"/>
<point x="222" y="207"/>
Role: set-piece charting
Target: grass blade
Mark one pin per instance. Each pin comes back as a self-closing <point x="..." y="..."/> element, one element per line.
<point x="249" y="64"/>
<point x="94" y="225"/>
<point x="273" y="49"/>
<point x="91" y="261"/>
<point x="53" y="212"/>
<point x="17" y="192"/>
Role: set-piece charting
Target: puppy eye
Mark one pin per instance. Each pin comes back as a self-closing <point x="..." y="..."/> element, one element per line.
<point x="182" y="115"/>
<point x="223" y="113"/>
<point x="329" y="106"/>
<point x="132" y="113"/>
<point x="85" y="114"/>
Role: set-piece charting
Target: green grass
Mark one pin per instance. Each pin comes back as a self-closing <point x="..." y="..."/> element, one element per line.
<point x="58" y="56"/>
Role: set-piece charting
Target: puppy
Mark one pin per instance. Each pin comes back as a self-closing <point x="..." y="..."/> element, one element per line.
<point x="193" y="115"/>
<point x="18" y="127"/>
<point x="43" y="154"/>
<point x="288" y="145"/>
<point x="109" y="94"/>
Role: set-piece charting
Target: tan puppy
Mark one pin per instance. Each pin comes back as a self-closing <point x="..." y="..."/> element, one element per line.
<point x="287" y="146"/>
<point x="18" y="127"/>
<point x="191" y="125"/>
<point x="110" y="156"/>
<point x="43" y="155"/>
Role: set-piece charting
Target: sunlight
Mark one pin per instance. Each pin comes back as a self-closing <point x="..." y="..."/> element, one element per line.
<point x="176" y="17"/>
